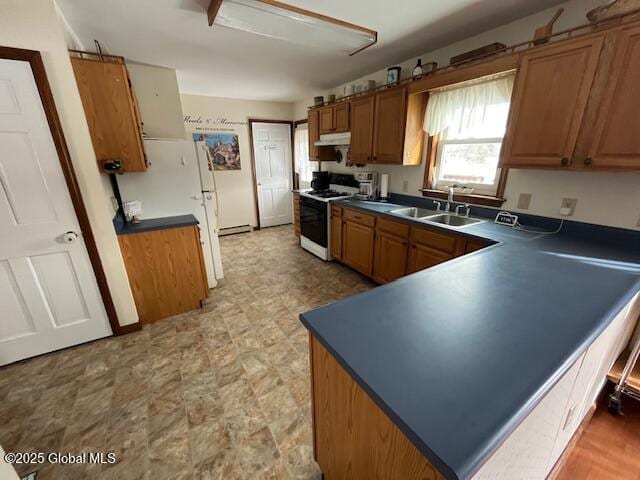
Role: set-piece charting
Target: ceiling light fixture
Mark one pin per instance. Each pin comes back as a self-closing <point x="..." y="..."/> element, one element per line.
<point x="274" y="19"/>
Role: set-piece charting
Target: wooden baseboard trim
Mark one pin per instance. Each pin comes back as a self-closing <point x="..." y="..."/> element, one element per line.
<point x="125" y="329"/>
<point x="557" y="468"/>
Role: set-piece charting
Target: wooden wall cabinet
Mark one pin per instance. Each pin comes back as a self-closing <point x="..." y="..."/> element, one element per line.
<point x="334" y="118"/>
<point x="166" y="271"/>
<point x="575" y="104"/>
<point x="388" y="126"/>
<point x="358" y="240"/>
<point x="112" y="112"/>
<point x="615" y="141"/>
<point x="325" y="153"/>
<point x="362" y="118"/>
<point x="549" y="101"/>
<point x="385" y="126"/>
<point x="335" y="227"/>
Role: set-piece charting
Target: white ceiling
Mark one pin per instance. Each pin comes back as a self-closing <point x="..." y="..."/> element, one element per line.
<point x="222" y="62"/>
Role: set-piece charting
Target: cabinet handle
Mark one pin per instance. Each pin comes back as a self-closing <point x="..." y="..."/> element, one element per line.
<point x="588" y="161"/>
<point x="375" y="158"/>
<point x="564" y="161"/>
<point x="369" y="158"/>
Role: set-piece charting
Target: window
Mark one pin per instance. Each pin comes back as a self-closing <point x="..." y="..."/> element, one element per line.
<point x="303" y="166"/>
<point x="470" y="120"/>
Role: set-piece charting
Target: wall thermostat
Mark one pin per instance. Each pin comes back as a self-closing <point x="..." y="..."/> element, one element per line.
<point x="506" y="218"/>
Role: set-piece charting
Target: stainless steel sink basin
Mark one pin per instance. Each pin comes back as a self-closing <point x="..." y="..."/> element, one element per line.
<point x="412" y="212"/>
<point x="451" y="220"/>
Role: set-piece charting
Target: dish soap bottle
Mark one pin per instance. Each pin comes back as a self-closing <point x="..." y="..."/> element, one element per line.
<point x="417" y="71"/>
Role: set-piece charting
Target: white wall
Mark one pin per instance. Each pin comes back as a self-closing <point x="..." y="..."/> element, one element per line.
<point x="159" y="100"/>
<point x="228" y="115"/>
<point x="7" y="472"/>
<point x="603" y="198"/>
<point x="34" y="25"/>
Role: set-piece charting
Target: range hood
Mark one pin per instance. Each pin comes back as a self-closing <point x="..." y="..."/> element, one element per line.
<point x="334" y="139"/>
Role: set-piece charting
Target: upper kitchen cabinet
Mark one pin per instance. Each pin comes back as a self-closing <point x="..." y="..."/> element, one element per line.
<point x="615" y="141"/>
<point x="362" y="118"/>
<point x="326" y="153"/>
<point x="111" y="110"/>
<point x="334" y="118"/>
<point x="386" y="128"/>
<point x="549" y="101"/>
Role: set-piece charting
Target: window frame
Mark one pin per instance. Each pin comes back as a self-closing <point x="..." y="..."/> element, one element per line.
<point x="479" y="188"/>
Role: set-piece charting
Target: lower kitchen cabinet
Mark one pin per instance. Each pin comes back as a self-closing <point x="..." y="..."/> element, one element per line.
<point x="386" y="250"/>
<point x="296" y="214"/>
<point x="421" y="257"/>
<point x="391" y="249"/>
<point x="166" y="271"/>
<point x="335" y="240"/>
<point x="358" y="246"/>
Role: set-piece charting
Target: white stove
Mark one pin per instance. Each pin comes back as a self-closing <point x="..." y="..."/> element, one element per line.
<point x="325" y="195"/>
<point x="315" y="216"/>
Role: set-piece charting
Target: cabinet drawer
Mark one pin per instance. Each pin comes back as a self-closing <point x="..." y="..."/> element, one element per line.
<point x="359" y="217"/>
<point x="336" y="211"/>
<point x="393" y="228"/>
<point x="439" y="241"/>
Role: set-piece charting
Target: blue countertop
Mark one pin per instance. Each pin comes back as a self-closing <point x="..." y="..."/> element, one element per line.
<point x="151" y="224"/>
<point x="459" y="354"/>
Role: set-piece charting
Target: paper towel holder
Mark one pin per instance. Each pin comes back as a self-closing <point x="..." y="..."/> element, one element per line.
<point x="384" y="188"/>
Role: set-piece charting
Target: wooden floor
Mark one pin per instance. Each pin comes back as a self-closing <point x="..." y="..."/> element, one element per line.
<point x="609" y="447"/>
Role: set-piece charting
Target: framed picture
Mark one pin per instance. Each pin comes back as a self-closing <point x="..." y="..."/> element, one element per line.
<point x="223" y="149"/>
<point x="393" y="75"/>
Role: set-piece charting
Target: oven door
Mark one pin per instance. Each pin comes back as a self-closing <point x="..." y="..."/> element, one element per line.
<point x="313" y="220"/>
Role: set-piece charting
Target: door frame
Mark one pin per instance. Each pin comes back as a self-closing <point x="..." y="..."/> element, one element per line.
<point x="34" y="58"/>
<point x="253" y="160"/>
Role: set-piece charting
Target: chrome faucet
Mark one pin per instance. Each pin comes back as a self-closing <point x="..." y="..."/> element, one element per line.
<point x="465" y="206"/>
<point x="447" y="207"/>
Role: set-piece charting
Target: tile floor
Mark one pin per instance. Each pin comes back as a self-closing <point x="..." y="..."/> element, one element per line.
<point x="219" y="393"/>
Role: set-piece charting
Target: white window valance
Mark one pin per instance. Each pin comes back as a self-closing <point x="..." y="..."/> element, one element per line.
<point x="476" y="109"/>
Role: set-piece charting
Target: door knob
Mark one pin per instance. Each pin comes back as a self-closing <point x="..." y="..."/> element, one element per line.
<point x="70" y="237"/>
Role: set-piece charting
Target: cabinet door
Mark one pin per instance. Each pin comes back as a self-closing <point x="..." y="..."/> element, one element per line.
<point x="362" y="129"/>
<point x="548" y="104"/>
<point x="335" y="242"/>
<point x="341" y="117"/>
<point x="390" y="257"/>
<point x="314" y="134"/>
<point x="616" y="143"/>
<point x="357" y="246"/>
<point x="111" y="112"/>
<point x="390" y="117"/>
<point x="327" y="124"/>
<point x="421" y="257"/>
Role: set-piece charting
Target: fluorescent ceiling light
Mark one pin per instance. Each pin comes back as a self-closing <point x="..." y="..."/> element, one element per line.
<point x="273" y="19"/>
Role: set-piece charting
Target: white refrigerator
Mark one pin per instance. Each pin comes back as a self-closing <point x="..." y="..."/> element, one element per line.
<point x="179" y="181"/>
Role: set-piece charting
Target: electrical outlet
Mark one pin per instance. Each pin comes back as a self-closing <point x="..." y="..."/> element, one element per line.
<point x="524" y="201"/>
<point x="568" y="206"/>
<point x="405" y="186"/>
<point x="638" y="224"/>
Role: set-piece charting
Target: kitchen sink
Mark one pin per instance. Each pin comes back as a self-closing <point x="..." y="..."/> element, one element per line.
<point x="412" y="212"/>
<point x="451" y="220"/>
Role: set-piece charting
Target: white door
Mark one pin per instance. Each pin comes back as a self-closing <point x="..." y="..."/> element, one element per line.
<point x="272" y="153"/>
<point x="49" y="298"/>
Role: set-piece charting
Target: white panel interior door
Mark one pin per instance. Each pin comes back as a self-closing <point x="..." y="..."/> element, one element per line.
<point x="49" y="296"/>
<point x="272" y="153"/>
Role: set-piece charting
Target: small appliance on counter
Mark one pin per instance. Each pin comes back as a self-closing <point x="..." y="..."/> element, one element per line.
<point x="320" y="181"/>
<point x="131" y="210"/>
<point x="368" y="185"/>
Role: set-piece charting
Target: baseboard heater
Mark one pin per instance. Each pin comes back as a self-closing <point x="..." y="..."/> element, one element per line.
<point x="232" y="230"/>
